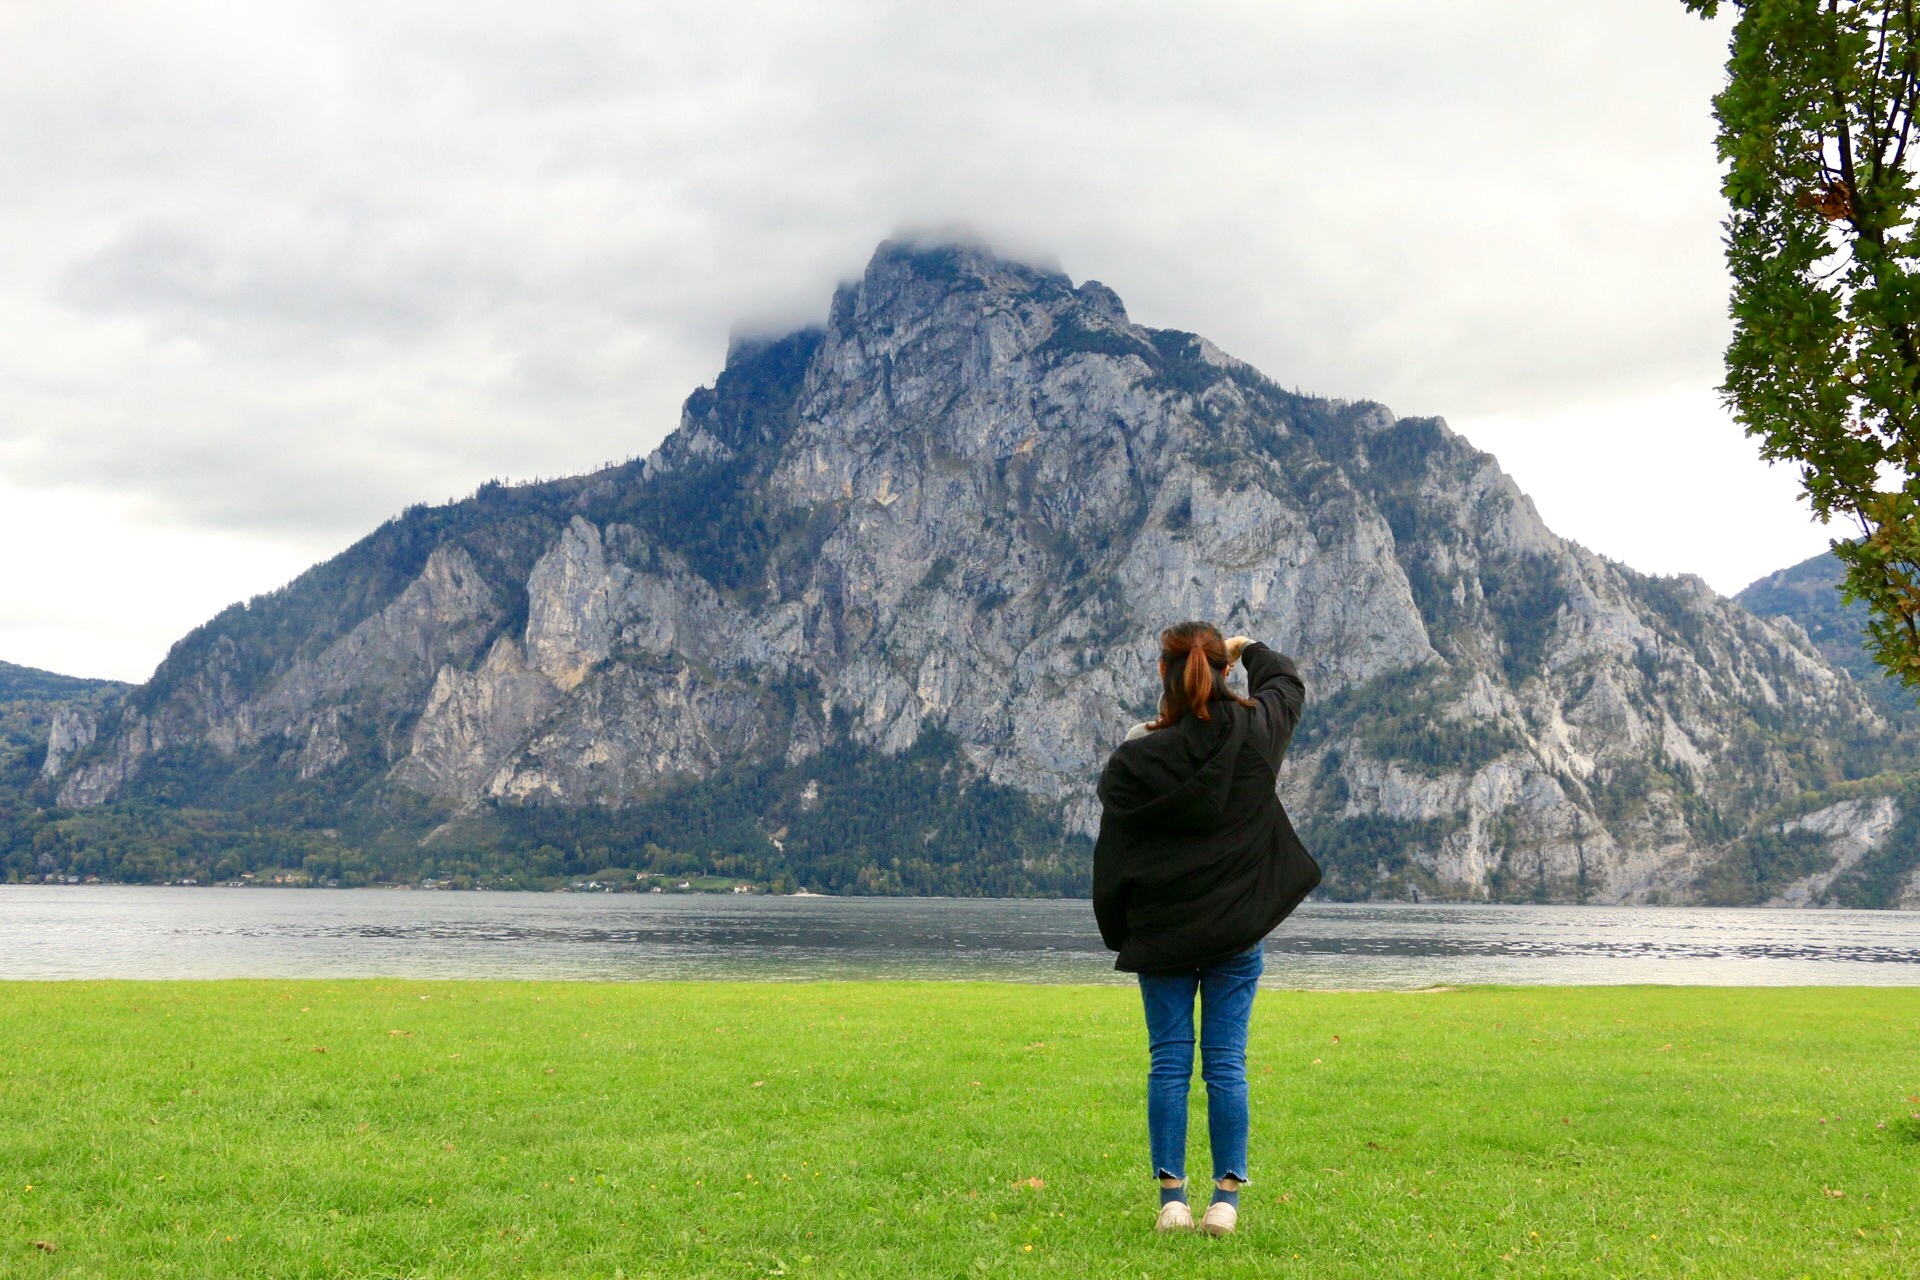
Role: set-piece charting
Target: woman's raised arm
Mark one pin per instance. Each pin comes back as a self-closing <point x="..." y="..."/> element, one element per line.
<point x="1274" y="684"/>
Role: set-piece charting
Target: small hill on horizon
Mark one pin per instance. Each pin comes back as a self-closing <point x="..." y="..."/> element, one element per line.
<point x="31" y="684"/>
<point x="1809" y="593"/>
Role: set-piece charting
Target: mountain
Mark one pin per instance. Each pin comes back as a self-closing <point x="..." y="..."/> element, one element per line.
<point x="871" y="618"/>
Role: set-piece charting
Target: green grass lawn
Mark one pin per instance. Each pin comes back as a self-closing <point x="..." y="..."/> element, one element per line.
<point x="390" y="1128"/>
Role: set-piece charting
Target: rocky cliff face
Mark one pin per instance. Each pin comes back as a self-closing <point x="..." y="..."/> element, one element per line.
<point x="41" y="711"/>
<point x="959" y="515"/>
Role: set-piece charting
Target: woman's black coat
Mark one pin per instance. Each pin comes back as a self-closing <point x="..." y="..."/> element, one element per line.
<point x="1196" y="859"/>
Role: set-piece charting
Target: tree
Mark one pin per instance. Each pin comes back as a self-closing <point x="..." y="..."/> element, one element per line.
<point x="1818" y="134"/>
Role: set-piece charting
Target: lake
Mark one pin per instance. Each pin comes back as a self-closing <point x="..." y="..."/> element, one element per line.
<point x="114" y="931"/>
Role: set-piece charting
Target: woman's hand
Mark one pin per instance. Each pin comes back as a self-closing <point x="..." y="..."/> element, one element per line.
<point x="1234" y="646"/>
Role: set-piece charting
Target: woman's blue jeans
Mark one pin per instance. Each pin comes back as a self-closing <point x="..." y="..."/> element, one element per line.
<point x="1226" y="990"/>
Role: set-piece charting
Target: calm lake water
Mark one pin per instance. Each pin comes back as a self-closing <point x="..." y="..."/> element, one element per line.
<point x="106" y="931"/>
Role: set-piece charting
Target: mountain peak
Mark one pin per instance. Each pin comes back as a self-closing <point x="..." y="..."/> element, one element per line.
<point x="908" y="278"/>
<point x="963" y="259"/>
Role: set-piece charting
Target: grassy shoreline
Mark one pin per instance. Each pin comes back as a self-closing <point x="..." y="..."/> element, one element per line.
<point x="389" y="1127"/>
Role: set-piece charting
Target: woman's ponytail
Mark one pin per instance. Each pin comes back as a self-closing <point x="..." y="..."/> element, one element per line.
<point x="1199" y="680"/>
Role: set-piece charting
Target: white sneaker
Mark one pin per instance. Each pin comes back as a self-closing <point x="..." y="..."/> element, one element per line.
<point x="1220" y="1219"/>
<point x="1174" y="1216"/>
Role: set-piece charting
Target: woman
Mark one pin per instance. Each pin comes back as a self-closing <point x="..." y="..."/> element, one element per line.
<point x="1195" y="864"/>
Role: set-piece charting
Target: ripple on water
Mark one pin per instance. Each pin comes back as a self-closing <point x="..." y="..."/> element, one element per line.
<point x="62" y="932"/>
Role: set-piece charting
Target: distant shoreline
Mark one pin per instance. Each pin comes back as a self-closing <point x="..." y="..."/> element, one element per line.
<point x="757" y="892"/>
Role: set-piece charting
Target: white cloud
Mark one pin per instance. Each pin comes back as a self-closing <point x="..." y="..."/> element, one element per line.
<point x="1665" y="483"/>
<point x="97" y="587"/>
<point x="276" y="270"/>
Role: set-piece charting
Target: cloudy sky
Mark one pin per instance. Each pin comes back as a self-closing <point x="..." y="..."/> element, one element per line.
<point x="275" y="270"/>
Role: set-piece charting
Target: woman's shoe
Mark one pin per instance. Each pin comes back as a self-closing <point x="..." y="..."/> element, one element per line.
<point x="1174" y="1216"/>
<point x="1220" y="1219"/>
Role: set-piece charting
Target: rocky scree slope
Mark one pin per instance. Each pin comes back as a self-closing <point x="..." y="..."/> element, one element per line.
<point x="873" y="616"/>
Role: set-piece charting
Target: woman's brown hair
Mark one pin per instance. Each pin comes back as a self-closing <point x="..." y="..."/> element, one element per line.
<point x="1193" y="671"/>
